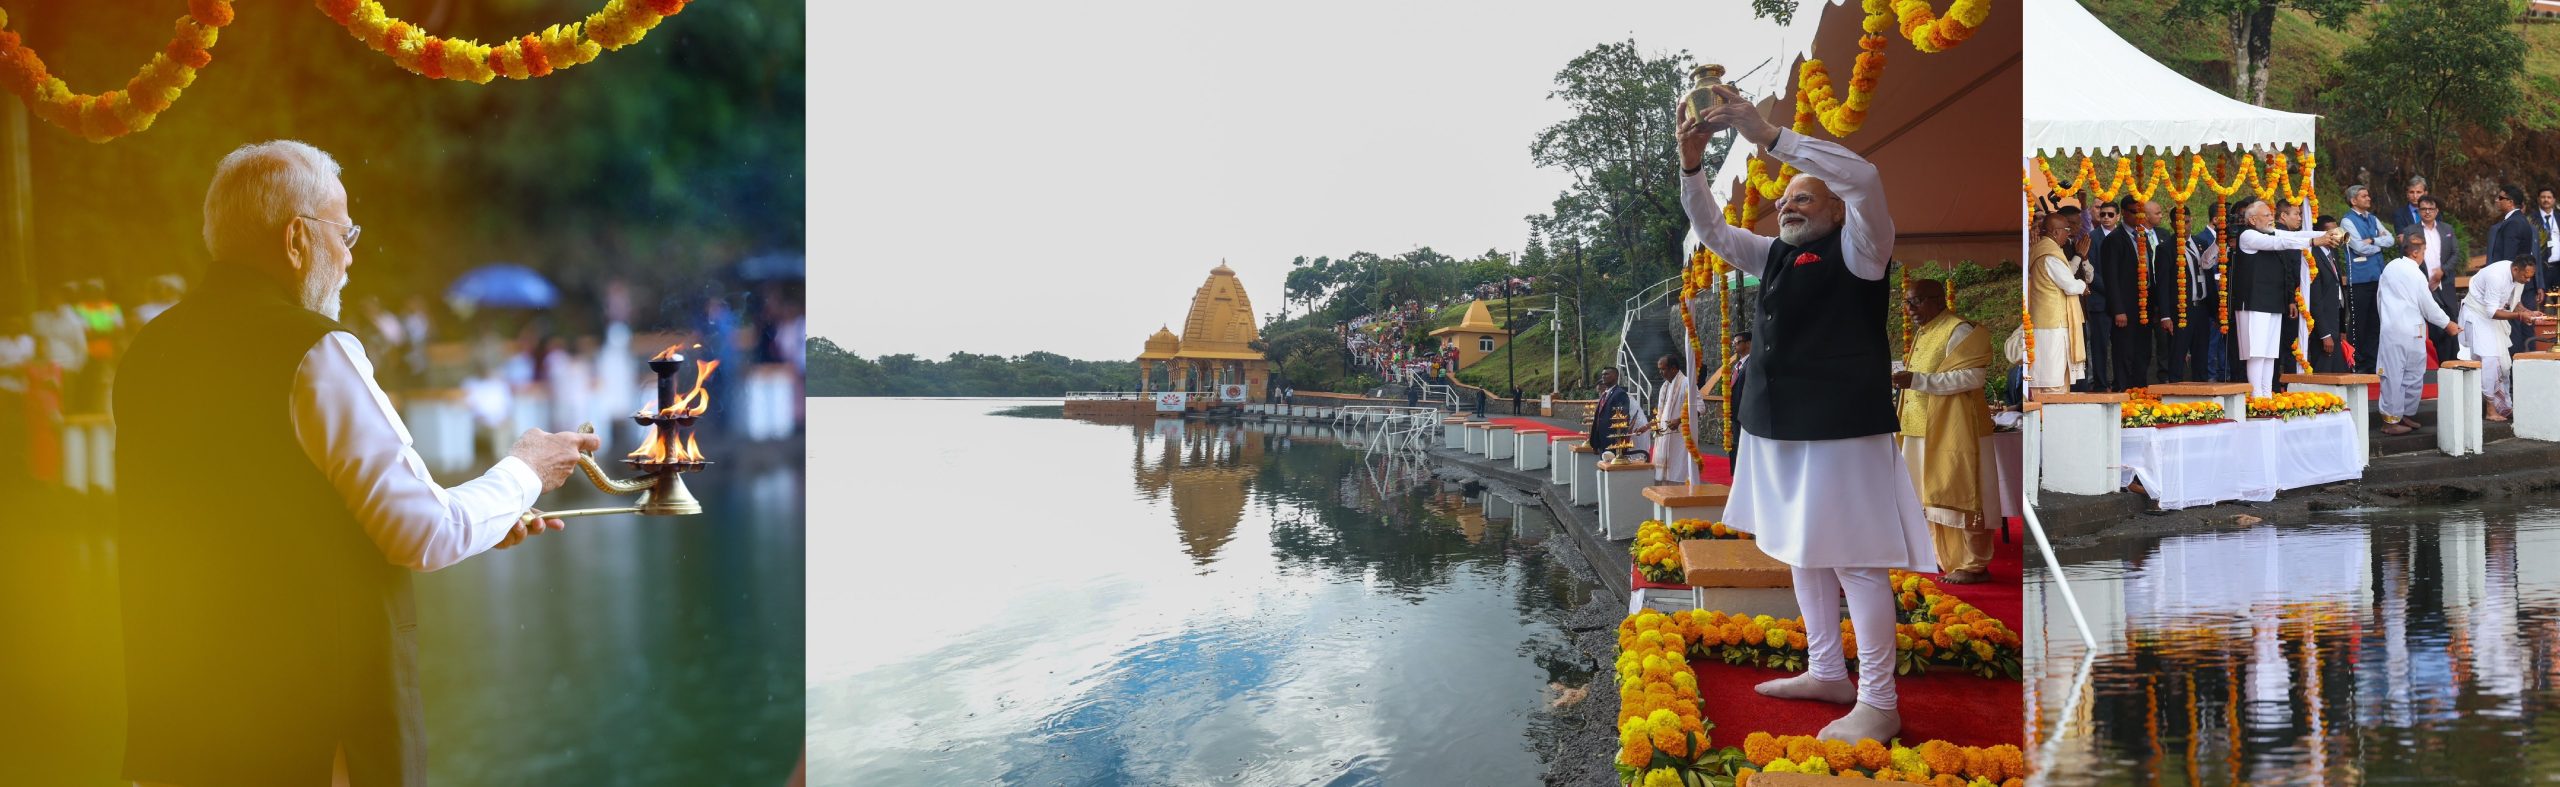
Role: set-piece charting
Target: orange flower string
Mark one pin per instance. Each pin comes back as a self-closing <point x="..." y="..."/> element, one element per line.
<point x="1929" y="32"/>
<point x="2222" y="224"/>
<point x="115" y="113"/>
<point x="618" y="24"/>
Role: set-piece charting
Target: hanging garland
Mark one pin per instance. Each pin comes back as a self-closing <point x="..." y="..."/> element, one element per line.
<point x="2179" y="221"/>
<point x="619" y="24"/>
<point x="1929" y="32"/>
<point x="2311" y="207"/>
<point x="2222" y="248"/>
<point x="2026" y="313"/>
<point x="115" y="113"/>
<point x="1701" y="265"/>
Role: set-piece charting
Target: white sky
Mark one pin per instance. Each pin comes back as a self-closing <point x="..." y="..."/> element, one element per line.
<point x="1008" y="177"/>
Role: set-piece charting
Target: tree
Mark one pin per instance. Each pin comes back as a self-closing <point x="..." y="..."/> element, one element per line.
<point x="1782" y="11"/>
<point x="1618" y="146"/>
<point x="2413" y="91"/>
<point x="2251" y="26"/>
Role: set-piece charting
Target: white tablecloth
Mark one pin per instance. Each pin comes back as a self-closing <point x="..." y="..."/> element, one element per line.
<point x="2187" y="466"/>
<point x="2309" y="451"/>
<point x="2003" y="477"/>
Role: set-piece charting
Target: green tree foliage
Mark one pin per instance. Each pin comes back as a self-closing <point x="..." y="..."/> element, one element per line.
<point x="835" y="371"/>
<point x="659" y="162"/>
<point x="2249" y="28"/>
<point x="1781" y="11"/>
<point x="2413" y="92"/>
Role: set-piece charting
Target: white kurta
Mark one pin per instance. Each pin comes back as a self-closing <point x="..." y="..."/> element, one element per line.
<point x="1675" y="403"/>
<point x="1821" y="503"/>
<point x="2486" y="338"/>
<point x="2408" y="306"/>
<point x="346" y="426"/>
<point x="2053" y="367"/>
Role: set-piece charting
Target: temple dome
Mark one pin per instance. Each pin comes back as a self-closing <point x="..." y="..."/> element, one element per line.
<point x="1220" y="325"/>
<point x="1163" y="345"/>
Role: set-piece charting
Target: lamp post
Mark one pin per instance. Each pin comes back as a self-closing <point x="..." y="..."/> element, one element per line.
<point x="1511" y="364"/>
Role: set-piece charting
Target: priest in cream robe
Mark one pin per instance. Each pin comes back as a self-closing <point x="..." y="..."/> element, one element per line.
<point x="2053" y="302"/>
<point x="2496" y="298"/>
<point x="1675" y="405"/>
<point x="1816" y="477"/>
<point x="1944" y="418"/>
<point x="2408" y="306"/>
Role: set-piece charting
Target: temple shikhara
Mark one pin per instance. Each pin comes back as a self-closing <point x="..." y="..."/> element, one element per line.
<point x="1216" y="345"/>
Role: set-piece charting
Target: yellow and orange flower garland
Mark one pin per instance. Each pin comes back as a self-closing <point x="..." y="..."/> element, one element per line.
<point x="1937" y="630"/>
<point x="1656" y="547"/>
<point x="1933" y="762"/>
<point x="115" y="113"/>
<point x="2295" y="404"/>
<point x="2140" y="413"/>
<point x="1663" y="734"/>
<point x="1701" y="265"/>
<point x="618" y="24"/>
<point x="1929" y="32"/>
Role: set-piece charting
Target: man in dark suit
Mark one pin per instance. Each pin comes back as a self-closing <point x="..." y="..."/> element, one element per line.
<point x="2405" y="214"/>
<point x="2512" y="240"/>
<point x="2443" y="261"/>
<point x="2129" y="335"/>
<point x="2097" y="318"/>
<point x="2545" y="217"/>
<point x="2151" y="234"/>
<point x="2328" y="302"/>
<point x="2192" y="358"/>
<point x="1604" y="416"/>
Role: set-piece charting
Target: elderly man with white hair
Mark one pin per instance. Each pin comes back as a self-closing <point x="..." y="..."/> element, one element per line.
<point x="272" y="507"/>
<point x="1816" y="476"/>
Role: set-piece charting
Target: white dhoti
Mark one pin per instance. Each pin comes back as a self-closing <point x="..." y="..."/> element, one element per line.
<point x="2486" y="340"/>
<point x="1830" y="503"/>
<point x="1671" y="457"/>
<point x="2261" y="337"/>
<point x="2403" y="365"/>
<point x="2053" y="367"/>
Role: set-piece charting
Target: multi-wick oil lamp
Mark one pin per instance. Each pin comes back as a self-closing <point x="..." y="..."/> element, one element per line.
<point x="664" y="456"/>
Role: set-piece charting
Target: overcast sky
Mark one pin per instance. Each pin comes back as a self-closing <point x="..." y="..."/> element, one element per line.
<point x="1009" y="177"/>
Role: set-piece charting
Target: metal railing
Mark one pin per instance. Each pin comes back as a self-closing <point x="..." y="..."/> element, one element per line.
<point x="1637" y="373"/>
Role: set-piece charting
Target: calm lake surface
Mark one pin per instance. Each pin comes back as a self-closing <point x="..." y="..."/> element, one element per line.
<point x="2390" y="646"/>
<point x="1035" y="600"/>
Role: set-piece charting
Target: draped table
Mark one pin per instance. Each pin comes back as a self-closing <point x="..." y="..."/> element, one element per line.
<point x="2203" y="464"/>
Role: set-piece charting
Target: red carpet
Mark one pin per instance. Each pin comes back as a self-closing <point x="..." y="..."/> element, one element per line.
<point x="2373" y="392"/>
<point x="1942" y="705"/>
<point x="1553" y="431"/>
<point x="1711" y="469"/>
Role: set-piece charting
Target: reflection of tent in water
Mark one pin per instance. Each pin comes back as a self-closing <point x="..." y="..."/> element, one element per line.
<point x="1206" y="477"/>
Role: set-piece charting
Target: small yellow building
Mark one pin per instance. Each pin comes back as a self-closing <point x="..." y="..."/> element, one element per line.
<point x="1216" y="345"/>
<point x="1474" y="337"/>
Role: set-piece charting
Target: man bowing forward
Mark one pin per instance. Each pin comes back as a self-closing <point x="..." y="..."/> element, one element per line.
<point x="1817" y="480"/>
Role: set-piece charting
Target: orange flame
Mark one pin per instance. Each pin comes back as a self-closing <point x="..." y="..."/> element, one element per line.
<point x="692" y="452"/>
<point x="701" y="396"/>
<point x="649" y="450"/>
<point x="669" y="354"/>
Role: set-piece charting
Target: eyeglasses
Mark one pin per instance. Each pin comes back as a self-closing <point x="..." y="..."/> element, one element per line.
<point x="354" y="231"/>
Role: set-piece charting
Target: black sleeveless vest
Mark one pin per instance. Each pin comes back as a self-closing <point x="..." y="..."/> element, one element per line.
<point x="1821" y="368"/>
<point x="263" y="629"/>
<point x="2267" y="280"/>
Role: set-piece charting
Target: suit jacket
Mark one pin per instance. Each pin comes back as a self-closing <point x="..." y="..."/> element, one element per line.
<point x="2512" y="238"/>
<point x="2326" y="304"/>
<point x="2400" y="216"/>
<point x="2164" y="273"/>
<point x="2447" y="295"/>
<point x="2114" y="260"/>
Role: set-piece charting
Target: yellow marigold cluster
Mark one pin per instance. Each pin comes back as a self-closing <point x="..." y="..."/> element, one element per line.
<point x="2139" y="413"/>
<point x="1657" y="552"/>
<point x="115" y="113"/>
<point x="1933" y="762"/>
<point x="1661" y="719"/>
<point x="2295" y="404"/>
<point x="1929" y="32"/>
<point x="618" y="24"/>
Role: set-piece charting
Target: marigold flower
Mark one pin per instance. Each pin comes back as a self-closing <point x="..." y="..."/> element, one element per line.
<point x="1942" y="757"/>
<point x="1870" y="755"/>
<point x="1802" y="747"/>
<point x="1947" y="780"/>
<point x="1761" y="747"/>
<point x="1662" y="777"/>
<point x="1743" y="778"/>
<point x="1909" y="761"/>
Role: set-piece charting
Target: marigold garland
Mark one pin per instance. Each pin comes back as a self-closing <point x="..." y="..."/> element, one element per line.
<point x="2138" y="412"/>
<point x="618" y="24"/>
<point x="2222" y="248"/>
<point x="2142" y="281"/>
<point x="2179" y="220"/>
<point x="2026" y="314"/>
<point x="1929" y="32"/>
<point x="1701" y="264"/>
<point x="115" y="113"/>
<point x="2295" y="404"/>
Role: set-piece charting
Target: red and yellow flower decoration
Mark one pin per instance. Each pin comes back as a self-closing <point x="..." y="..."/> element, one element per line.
<point x="2295" y="404"/>
<point x="618" y="24"/>
<point x="2141" y="413"/>
<point x="115" y="113"/>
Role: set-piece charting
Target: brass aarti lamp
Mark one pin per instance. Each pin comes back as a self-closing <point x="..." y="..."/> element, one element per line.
<point x="1624" y="443"/>
<point x="663" y="457"/>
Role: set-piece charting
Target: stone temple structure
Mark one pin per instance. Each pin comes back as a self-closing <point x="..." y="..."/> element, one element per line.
<point x="1216" y="345"/>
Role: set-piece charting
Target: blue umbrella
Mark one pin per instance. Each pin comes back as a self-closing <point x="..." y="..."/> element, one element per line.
<point x="505" y="286"/>
<point x="777" y="266"/>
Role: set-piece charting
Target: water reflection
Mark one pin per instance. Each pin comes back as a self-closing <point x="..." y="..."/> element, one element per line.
<point x="2403" y="646"/>
<point x="1243" y="603"/>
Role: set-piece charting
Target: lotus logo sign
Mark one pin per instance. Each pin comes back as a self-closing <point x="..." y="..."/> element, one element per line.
<point x="1231" y="393"/>
<point x="1169" y="401"/>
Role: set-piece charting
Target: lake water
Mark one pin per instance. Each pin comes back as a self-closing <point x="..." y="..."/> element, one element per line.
<point x="1036" y="600"/>
<point x="2391" y="646"/>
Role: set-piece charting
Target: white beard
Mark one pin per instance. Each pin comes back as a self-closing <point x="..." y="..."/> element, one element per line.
<point x="1797" y="234"/>
<point x="318" y="296"/>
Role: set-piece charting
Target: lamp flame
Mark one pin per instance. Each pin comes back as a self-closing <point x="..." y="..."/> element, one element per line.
<point x="669" y="354"/>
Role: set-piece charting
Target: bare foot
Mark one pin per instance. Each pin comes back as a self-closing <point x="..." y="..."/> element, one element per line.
<point x="2493" y="417"/>
<point x="1864" y="723"/>
<point x="1803" y="686"/>
<point x="1970" y="576"/>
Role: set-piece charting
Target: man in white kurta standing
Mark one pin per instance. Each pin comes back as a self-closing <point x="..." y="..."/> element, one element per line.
<point x="2408" y="306"/>
<point x="2270" y="267"/>
<point x="1817" y="480"/>
<point x="1675" y="405"/>
<point x="2494" y="303"/>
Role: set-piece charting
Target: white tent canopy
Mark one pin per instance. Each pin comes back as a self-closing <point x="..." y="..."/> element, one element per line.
<point x="2137" y="103"/>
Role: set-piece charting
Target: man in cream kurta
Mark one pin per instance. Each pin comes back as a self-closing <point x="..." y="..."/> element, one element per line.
<point x="2053" y="301"/>
<point x="1944" y="418"/>
<point x="1675" y="405"/>
<point x="1838" y="507"/>
<point x="2496" y="297"/>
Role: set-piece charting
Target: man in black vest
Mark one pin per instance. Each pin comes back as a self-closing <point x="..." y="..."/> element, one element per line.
<point x="1817" y="479"/>
<point x="272" y="508"/>
<point x="2268" y="266"/>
